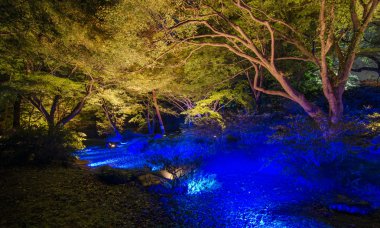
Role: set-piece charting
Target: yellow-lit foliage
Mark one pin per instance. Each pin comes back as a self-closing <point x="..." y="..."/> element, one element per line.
<point x="374" y="124"/>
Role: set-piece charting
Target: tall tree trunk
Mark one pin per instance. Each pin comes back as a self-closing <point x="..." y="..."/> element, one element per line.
<point x="51" y="127"/>
<point x="150" y="130"/>
<point x="338" y="88"/>
<point x="256" y="93"/>
<point x="153" y="123"/>
<point x="148" y="122"/>
<point x="4" y="114"/>
<point x="337" y="115"/>
<point x="17" y="112"/>
<point x="162" y="128"/>
<point x="291" y="93"/>
<point x="346" y="60"/>
<point x="311" y="109"/>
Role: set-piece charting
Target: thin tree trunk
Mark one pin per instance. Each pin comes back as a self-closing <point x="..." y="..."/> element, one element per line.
<point x="4" y="123"/>
<point x="148" y="122"/>
<point x="256" y="93"/>
<point x="30" y="116"/>
<point x="162" y="127"/>
<point x="153" y="123"/>
<point x="17" y="112"/>
<point x="51" y="127"/>
<point x="110" y="119"/>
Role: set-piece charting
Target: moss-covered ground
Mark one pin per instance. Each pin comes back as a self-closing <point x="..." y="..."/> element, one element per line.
<point x="73" y="197"/>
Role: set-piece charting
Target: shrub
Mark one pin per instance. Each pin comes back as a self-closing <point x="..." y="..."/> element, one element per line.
<point x="172" y="153"/>
<point x="304" y="151"/>
<point x="36" y="146"/>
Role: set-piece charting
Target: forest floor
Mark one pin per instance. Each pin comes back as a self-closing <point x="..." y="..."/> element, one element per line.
<point x="73" y="197"/>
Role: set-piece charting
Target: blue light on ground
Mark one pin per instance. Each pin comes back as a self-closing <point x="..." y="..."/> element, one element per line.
<point x="201" y="183"/>
<point x="251" y="186"/>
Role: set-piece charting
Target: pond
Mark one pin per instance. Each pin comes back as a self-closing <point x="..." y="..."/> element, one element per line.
<point x="237" y="184"/>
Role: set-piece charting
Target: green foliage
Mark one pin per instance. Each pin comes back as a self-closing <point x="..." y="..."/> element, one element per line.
<point x="312" y="83"/>
<point x="206" y="111"/>
<point x="208" y="69"/>
<point x="353" y="81"/>
<point x="37" y="59"/>
<point x="118" y="105"/>
<point x="46" y="84"/>
<point x="374" y="123"/>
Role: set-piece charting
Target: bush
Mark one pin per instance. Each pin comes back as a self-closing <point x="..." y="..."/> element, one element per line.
<point x="36" y="146"/>
<point x="172" y="153"/>
<point x="306" y="155"/>
<point x="304" y="151"/>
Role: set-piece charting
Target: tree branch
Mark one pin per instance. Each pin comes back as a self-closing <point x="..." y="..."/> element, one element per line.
<point x="232" y="49"/>
<point x="270" y="92"/>
<point x="294" y="58"/>
<point x="377" y="70"/>
<point x="78" y="108"/>
<point x="54" y="105"/>
<point x="354" y="15"/>
<point x="38" y="104"/>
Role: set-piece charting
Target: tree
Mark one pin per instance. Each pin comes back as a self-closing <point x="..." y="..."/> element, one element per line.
<point x="243" y="27"/>
<point x="38" y="60"/>
<point x="43" y="90"/>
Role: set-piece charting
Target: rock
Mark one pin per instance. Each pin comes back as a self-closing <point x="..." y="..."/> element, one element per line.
<point x="149" y="179"/>
<point x="113" y="176"/>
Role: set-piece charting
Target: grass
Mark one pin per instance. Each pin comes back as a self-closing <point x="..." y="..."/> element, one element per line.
<point x="73" y="197"/>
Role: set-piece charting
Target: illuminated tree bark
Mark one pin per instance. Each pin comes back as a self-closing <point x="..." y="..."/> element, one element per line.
<point x="162" y="127"/>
